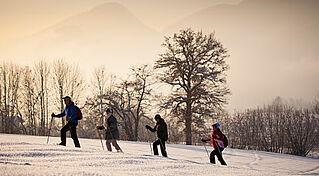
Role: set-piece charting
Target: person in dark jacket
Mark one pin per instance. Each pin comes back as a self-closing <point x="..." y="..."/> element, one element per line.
<point x="218" y="144"/>
<point x="161" y="129"/>
<point x="71" y="114"/>
<point x="111" y="132"/>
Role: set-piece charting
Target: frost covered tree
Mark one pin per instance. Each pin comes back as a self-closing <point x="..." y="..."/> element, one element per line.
<point x="194" y="65"/>
<point x="94" y="108"/>
<point x="129" y="100"/>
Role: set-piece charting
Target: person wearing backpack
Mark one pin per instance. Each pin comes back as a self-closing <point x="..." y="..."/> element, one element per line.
<point x="217" y="138"/>
<point x="112" y="132"/>
<point x="73" y="114"/>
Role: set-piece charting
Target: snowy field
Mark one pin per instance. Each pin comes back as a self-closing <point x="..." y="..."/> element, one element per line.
<point x="30" y="155"/>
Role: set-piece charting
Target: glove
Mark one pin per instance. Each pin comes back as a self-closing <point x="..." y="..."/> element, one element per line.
<point x="148" y="127"/>
<point x="204" y="140"/>
<point x="100" y="127"/>
<point x="53" y="115"/>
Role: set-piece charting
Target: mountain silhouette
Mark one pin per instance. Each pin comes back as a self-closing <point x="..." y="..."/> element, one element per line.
<point x="272" y="44"/>
<point x="108" y="32"/>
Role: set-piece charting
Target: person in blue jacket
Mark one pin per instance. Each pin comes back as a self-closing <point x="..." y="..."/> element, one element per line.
<point x="71" y="113"/>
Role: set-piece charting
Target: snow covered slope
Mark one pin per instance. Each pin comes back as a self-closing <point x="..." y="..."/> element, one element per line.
<point x="30" y="155"/>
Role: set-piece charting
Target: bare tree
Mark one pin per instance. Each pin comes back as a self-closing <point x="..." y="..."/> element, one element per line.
<point x="129" y="100"/>
<point x="277" y="127"/>
<point x="302" y="132"/>
<point x="101" y="83"/>
<point x="140" y="90"/>
<point x="67" y="81"/>
<point x="316" y="105"/>
<point x="29" y="99"/>
<point x="194" y="65"/>
<point x="42" y="71"/>
<point x="60" y="71"/>
<point x="10" y="80"/>
<point x="100" y="86"/>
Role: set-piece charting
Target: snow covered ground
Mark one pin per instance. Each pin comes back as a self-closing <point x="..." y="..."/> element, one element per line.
<point x="30" y="155"/>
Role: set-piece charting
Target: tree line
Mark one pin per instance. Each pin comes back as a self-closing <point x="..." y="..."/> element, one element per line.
<point x="278" y="127"/>
<point x="192" y="70"/>
<point x="29" y="94"/>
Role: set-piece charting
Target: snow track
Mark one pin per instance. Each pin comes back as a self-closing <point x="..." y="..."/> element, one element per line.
<point x="30" y="155"/>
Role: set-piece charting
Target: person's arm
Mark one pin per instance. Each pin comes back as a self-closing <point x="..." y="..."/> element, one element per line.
<point x="205" y="140"/>
<point x="61" y="114"/>
<point x="150" y="128"/>
<point x="100" y="127"/>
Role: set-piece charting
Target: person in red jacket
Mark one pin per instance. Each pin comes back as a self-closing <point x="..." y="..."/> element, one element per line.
<point x="218" y="144"/>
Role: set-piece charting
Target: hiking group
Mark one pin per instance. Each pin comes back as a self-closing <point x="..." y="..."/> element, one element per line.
<point x="73" y="114"/>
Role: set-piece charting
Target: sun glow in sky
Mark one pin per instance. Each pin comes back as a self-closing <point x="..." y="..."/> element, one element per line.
<point x="272" y="44"/>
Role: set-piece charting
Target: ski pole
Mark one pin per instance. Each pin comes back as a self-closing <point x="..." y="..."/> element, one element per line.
<point x="150" y="145"/>
<point x="151" y="148"/>
<point x="218" y="147"/>
<point x="49" y="129"/>
<point x="101" y="140"/>
<point x="206" y="151"/>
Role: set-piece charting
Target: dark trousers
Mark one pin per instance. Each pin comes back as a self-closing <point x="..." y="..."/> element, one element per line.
<point x="218" y="153"/>
<point x="114" y="143"/>
<point x="72" y="127"/>
<point x="162" y="145"/>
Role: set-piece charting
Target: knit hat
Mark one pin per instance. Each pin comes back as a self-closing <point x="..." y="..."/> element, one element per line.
<point x="216" y="125"/>
<point x="157" y="116"/>
<point x="109" y="109"/>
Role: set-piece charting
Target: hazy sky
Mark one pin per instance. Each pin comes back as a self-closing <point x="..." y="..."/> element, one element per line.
<point x="20" y="18"/>
<point x="273" y="47"/>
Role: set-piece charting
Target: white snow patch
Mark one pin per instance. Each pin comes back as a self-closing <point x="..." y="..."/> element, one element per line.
<point x="30" y="155"/>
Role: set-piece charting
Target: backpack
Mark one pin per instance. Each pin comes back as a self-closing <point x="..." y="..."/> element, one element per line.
<point x="225" y="141"/>
<point x="79" y="113"/>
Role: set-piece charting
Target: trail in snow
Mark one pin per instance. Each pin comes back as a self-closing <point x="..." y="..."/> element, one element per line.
<point x="30" y="155"/>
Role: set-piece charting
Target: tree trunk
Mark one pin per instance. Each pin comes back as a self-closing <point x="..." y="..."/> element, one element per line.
<point x="136" y="130"/>
<point x="188" y="123"/>
<point x="61" y="101"/>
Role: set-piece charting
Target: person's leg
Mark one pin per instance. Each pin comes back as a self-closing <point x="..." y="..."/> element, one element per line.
<point x="212" y="156"/>
<point x="74" y="136"/>
<point x="155" y="144"/>
<point x="108" y="145"/>
<point x="220" y="157"/>
<point x="163" y="148"/>
<point x="63" y="134"/>
<point x="117" y="147"/>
